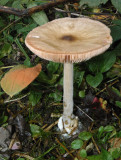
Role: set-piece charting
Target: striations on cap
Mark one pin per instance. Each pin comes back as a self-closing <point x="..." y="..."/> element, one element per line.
<point x="69" y="40"/>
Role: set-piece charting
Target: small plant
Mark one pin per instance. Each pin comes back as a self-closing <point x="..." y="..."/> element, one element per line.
<point x="83" y="138"/>
<point x="99" y="138"/>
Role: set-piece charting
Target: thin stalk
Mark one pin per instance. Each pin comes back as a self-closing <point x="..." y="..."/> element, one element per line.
<point x="68" y="90"/>
<point x="22" y="49"/>
<point x="68" y="121"/>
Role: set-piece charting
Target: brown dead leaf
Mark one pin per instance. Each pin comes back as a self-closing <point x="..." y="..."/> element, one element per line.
<point x="18" y="78"/>
<point x="115" y="142"/>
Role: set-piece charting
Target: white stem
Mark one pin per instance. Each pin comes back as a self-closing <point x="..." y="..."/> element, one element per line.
<point x="68" y="89"/>
<point x="68" y="121"/>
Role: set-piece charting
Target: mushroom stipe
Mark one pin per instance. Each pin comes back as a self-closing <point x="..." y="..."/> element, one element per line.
<point x="68" y="41"/>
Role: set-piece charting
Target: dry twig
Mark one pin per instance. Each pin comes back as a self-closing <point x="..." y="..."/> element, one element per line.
<point x="106" y="87"/>
<point x="23" y="155"/>
<point x="119" y="121"/>
<point x="85" y="113"/>
<point x="95" y="145"/>
<point x="64" y="147"/>
<point x="51" y="126"/>
<point x="29" y="11"/>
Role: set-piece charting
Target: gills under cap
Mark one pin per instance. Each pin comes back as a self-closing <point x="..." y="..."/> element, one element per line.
<point x="69" y="39"/>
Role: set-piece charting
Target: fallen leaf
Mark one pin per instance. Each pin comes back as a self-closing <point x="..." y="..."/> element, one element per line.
<point x="76" y="6"/>
<point x="115" y="142"/>
<point x="5" y="134"/>
<point x="115" y="148"/>
<point x="19" y="123"/>
<point x="103" y="104"/>
<point x="15" y="144"/>
<point x="18" y="78"/>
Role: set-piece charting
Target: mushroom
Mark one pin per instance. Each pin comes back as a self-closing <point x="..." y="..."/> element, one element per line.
<point x="69" y="40"/>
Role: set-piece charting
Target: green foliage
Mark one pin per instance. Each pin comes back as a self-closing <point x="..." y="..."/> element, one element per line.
<point x="27" y="60"/>
<point x="3" y="2"/>
<point x="77" y="144"/>
<point x="117" y="22"/>
<point x="62" y="150"/>
<point x="104" y="155"/>
<point x="83" y="153"/>
<point x="94" y="81"/>
<point x="95" y="3"/>
<point x="117" y="4"/>
<point x="85" y="136"/>
<point x="40" y="18"/>
<point x="52" y="67"/>
<point x="56" y="96"/>
<point x="99" y="65"/>
<point x="95" y="157"/>
<point x="35" y="97"/>
<point x="54" y="71"/>
<point x="78" y="76"/>
<point x="108" y="129"/>
<point x="24" y="2"/>
<point x="116" y="91"/>
<point x="115" y="32"/>
<point x="6" y="50"/>
<point x="102" y="63"/>
<point x="27" y="28"/>
<point x="52" y="158"/>
<point x="92" y="3"/>
<point x="104" y="133"/>
<point x="44" y="78"/>
<point x="37" y="132"/>
<point x="115" y="152"/>
<point x="81" y="94"/>
<point x="3" y="119"/>
<point x="118" y="103"/>
<point x="1" y="23"/>
<point x="17" y="4"/>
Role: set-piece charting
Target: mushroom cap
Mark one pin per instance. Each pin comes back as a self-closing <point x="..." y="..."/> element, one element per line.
<point x="69" y="39"/>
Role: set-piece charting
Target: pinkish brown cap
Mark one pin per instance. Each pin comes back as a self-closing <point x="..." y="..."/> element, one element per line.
<point x="69" y="40"/>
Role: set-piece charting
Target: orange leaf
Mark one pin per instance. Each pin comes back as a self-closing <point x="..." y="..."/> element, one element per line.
<point x="18" y="78"/>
